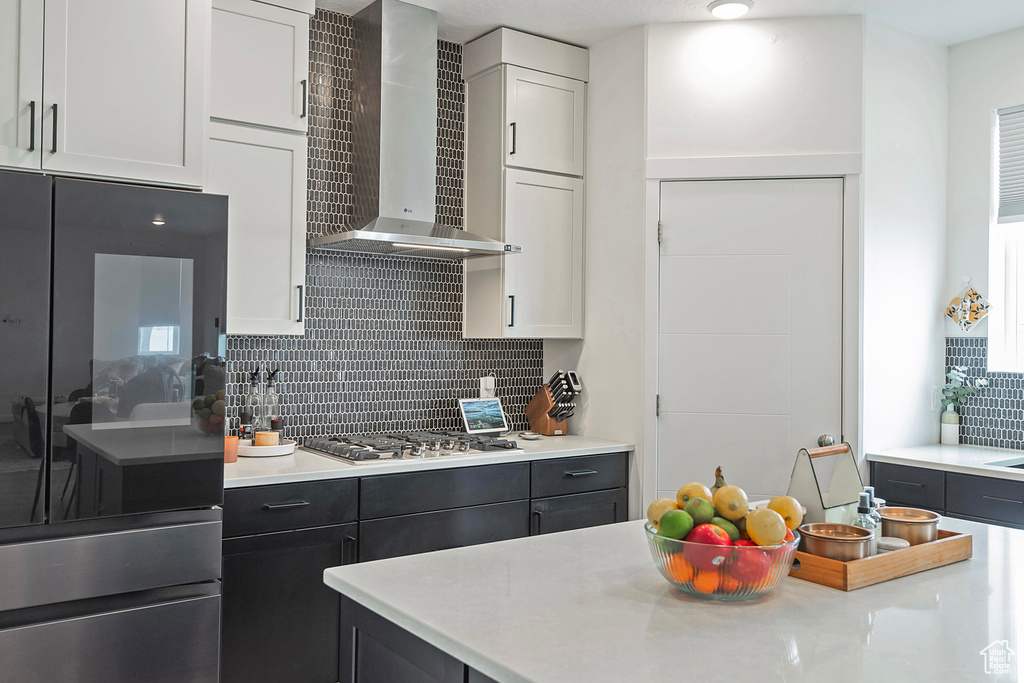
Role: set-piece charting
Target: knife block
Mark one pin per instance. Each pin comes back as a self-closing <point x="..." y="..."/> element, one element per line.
<point x="537" y="414"/>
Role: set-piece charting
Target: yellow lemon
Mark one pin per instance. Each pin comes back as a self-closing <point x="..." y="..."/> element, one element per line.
<point x="790" y="509"/>
<point x="731" y="502"/>
<point x="659" y="507"/>
<point x="766" y="527"/>
<point x="693" y="490"/>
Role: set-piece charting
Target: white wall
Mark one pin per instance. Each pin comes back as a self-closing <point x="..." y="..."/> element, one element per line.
<point x="610" y="357"/>
<point x="755" y="88"/>
<point x="904" y="209"/>
<point x="984" y="74"/>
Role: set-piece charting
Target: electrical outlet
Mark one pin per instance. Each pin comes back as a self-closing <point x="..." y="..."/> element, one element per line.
<point x="488" y="387"/>
<point x="936" y="398"/>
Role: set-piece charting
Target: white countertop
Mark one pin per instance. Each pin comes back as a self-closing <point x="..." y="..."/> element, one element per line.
<point x="308" y="466"/>
<point x="963" y="459"/>
<point x="589" y="606"/>
<point x="126" y="445"/>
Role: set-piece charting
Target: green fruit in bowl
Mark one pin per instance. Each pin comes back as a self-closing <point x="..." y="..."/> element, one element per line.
<point x="675" y="524"/>
<point x="198" y="404"/>
<point x="700" y="509"/>
<point x="209" y="399"/>
<point x="218" y="407"/>
<point x="727" y="526"/>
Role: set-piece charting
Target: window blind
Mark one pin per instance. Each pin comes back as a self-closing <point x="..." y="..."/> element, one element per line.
<point x="1010" y="122"/>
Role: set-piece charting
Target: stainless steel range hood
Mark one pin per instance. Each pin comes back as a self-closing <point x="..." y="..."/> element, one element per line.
<point x="395" y="142"/>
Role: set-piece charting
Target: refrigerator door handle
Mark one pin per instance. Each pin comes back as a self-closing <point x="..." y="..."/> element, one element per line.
<point x="53" y="148"/>
<point x="32" y="126"/>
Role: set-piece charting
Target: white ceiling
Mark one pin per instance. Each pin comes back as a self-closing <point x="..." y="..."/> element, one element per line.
<point x="587" y="22"/>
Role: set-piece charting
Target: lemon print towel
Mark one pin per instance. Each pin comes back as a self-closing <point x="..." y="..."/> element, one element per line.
<point x="967" y="308"/>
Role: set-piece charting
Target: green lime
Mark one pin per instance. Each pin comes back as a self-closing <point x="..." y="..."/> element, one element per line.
<point x="675" y="524"/>
<point x="209" y="399"/>
<point x="700" y="509"/>
<point x="727" y="526"/>
<point x="198" y="404"/>
<point x="204" y="414"/>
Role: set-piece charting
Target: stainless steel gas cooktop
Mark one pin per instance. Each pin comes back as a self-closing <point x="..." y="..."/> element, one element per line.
<point x="405" y="446"/>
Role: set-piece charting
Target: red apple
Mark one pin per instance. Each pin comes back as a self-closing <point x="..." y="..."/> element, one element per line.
<point x="750" y="566"/>
<point x="708" y="547"/>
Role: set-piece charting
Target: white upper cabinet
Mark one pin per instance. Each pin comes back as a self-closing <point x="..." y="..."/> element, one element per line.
<point x="123" y="89"/>
<point x="544" y="121"/>
<point x="544" y="284"/>
<point x="21" y="82"/>
<point x="259" y="65"/>
<point x="263" y="173"/>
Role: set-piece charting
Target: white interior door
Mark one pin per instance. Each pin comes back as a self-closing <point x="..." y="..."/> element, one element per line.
<point x="750" y="328"/>
<point x="21" y="82"/>
<point x="259" y="64"/>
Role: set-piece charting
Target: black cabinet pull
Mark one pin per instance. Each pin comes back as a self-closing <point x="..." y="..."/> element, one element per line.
<point x="302" y="304"/>
<point x="580" y="473"/>
<point x="1005" y="500"/>
<point x="32" y="126"/>
<point x="513" y="124"/>
<point x="305" y="95"/>
<point x="512" y="310"/>
<point x="348" y="556"/>
<point x="906" y="483"/>
<point x="285" y="506"/>
<point x="53" y="149"/>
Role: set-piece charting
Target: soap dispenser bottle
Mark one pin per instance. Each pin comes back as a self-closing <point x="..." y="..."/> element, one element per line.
<point x="271" y="401"/>
<point x="253" y="403"/>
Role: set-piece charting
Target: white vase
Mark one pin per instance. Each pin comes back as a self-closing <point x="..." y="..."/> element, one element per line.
<point x="950" y="435"/>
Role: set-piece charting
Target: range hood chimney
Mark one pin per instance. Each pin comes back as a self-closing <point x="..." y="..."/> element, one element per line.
<point x="395" y="142"/>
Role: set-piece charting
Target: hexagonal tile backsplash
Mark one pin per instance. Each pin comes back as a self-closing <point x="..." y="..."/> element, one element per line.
<point x="995" y="415"/>
<point x="383" y="349"/>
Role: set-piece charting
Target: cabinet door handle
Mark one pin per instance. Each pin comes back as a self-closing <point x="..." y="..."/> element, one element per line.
<point x="32" y="126"/>
<point x="285" y="506"/>
<point x="53" y="148"/>
<point x="302" y="304"/>
<point x="580" y="473"/>
<point x="513" y="125"/>
<point x="536" y="528"/>
<point x="907" y="483"/>
<point x="511" y="310"/>
<point x="305" y="95"/>
<point x="348" y="557"/>
<point x="1004" y="500"/>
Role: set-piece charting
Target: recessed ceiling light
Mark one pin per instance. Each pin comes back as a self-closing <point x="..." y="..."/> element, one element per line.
<point x="730" y="9"/>
<point x="158" y="220"/>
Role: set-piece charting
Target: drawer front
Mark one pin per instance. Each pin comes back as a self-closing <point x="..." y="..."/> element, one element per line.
<point x="577" y="475"/>
<point x="998" y="500"/>
<point x="262" y="509"/>
<point x="421" y="533"/>
<point x="909" y="486"/>
<point x="577" y="511"/>
<point x="403" y="494"/>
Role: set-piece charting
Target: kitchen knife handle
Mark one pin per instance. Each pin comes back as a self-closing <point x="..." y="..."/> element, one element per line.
<point x="32" y="126"/>
<point x="511" y="310"/>
<point x="53" y="149"/>
<point x="580" y="473"/>
<point x="907" y="483"/>
<point x="302" y="303"/>
<point x="305" y="96"/>
<point x="271" y="507"/>
<point x="513" y="125"/>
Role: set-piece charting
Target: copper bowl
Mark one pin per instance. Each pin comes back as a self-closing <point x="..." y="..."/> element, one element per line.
<point x="841" y="542"/>
<point x="914" y="525"/>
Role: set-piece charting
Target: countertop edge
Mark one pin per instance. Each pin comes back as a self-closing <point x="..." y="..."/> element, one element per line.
<point x="334" y="469"/>
<point x="924" y="458"/>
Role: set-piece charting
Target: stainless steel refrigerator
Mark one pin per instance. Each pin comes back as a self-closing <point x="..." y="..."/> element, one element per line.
<point x="112" y="301"/>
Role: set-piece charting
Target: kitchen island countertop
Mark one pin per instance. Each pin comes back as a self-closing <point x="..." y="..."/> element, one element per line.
<point x="589" y="606"/>
<point x="309" y="466"/>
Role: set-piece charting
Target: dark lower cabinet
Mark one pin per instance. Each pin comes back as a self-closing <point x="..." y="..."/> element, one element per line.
<point x="280" y="622"/>
<point x="901" y="485"/>
<point x="427" y="531"/>
<point x="577" y="511"/>
<point x="982" y="498"/>
<point x="374" y="650"/>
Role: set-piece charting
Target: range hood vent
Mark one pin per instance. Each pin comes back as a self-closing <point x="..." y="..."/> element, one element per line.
<point x="394" y="124"/>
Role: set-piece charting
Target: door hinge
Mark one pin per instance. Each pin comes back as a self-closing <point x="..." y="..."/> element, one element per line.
<point x="659" y="232"/>
<point x="657" y="406"/>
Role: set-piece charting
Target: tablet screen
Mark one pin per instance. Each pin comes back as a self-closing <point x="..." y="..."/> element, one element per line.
<point x="482" y="415"/>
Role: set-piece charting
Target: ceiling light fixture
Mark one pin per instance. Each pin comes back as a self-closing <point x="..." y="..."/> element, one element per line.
<point x="158" y="220"/>
<point x="429" y="246"/>
<point x="729" y="9"/>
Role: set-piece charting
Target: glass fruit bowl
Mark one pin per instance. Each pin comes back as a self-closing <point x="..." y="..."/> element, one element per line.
<point x="721" y="572"/>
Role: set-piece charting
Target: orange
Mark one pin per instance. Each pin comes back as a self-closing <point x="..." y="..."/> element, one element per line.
<point x="727" y="584"/>
<point x="679" y="569"/>
<point x="706" y="582"/>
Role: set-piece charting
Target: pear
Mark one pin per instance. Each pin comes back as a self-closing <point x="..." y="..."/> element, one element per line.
<point x="719" y="481"/>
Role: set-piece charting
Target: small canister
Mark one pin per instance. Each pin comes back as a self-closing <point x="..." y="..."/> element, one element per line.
<point x="914" y="525"/>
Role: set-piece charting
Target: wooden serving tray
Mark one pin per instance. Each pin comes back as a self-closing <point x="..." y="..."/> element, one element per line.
<point x="950" y="547"/>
